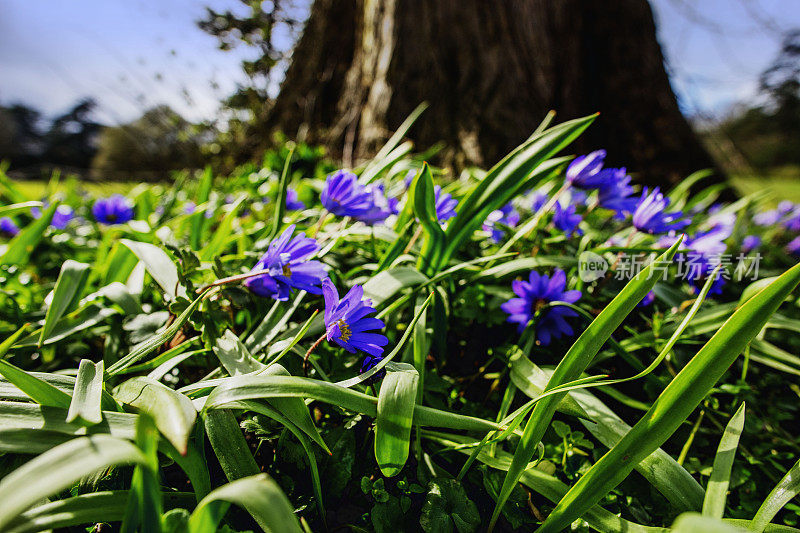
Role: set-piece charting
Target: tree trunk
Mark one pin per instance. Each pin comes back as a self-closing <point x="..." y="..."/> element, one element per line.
<point x="490" y="72"/>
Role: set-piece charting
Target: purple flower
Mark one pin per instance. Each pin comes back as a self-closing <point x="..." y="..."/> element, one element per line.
<point x="786" y="207"/>
<point x="445" y="204"/>
<point x="615" y="191"/>
<point x="380" y="208"/>
<point x="538" y="200"/>
<point x="650" y="214"/>
<point x="506" y="215"/>
<point x="347" y="323"/>
<point x="583" y="171"/>
<point x="189" y="208"/>
<point x="767" y="218"/>
<point x="410" y="175"/>
<point x="750" y="243"/>
<point x="293" y="202"/>
<point x="343" y="196"/>
<point x="566" y="220"/>
<point x="535" y="294"/>
<point x="115" y="209"/>
<point x="286" y="261"/>
<point x="63" y="215"/>
<point x="794" y="246"/>
<point x="8" y="227"/>
<point x="648" y="299"/>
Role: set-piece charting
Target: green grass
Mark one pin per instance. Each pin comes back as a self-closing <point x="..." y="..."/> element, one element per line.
<point x="780" y="184"/>
<point x="38" y="188"/>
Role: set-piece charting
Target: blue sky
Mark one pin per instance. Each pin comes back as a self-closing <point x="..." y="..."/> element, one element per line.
<point x="132" y="54"/>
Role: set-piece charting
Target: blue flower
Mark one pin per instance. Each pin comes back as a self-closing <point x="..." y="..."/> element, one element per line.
<point x="286" y="261"/>
<point x="189" y="208"/>
<point x="343" y="196"/>
<point x="381" y="207"/>
<point x="583" y="171"/>
<point x="535" y="294"/>
<point x="650" y="214"/>
<point x="566" y="220"/>
<point x="794" y="247"/>
<point x="293" y="202"/>
<point x="750" y="243"/>
<point x="63" y="215"/>
<point x="8" y="227"/>
<point x="615" y="191"/>
<point x="538" y="200"/>
<point x="445" y="204"/>
<point x="506" y="215"/>
<point x="648" y="299"/>
<point x="347" y="323"/>
<point x="115" y="209"/>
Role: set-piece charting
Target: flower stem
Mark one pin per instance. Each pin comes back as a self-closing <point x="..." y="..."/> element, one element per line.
<point x="233" y="279"/>
<point x="309" y="352"/>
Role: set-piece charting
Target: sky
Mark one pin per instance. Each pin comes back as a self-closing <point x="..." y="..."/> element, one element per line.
<point x="134" y="54"/>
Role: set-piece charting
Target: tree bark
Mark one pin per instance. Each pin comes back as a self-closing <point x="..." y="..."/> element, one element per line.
<point x="490" y="72"/>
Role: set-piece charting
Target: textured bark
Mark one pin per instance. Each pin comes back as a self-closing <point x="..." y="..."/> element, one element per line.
<point x="490" y="72"/>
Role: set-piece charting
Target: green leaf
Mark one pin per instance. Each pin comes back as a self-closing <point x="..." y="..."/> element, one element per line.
<point x="717" y="489"/>
<point x="574" y="363"/>
<point x="21" y="247"/>
<point x="259" y="494"/>
<point x="173" y="412"/>
<point x="234" y="356"/>
<point x="144" y="509"/>
<point x="88" y="393"/>
<point x="159" y="265"/>
<point x="697" y="523"/>
<point x="59" y="468"/>
<point x="280" y="205"/>
<point x="424" y="206"/>
<point x="396" y="401"/>
<point x="259" y="387"/>
<point x="18" y="415"/>
<point x="786" y="489"/>
<point x="222" y="234"/>
<point x="79" y="320"/>
<point x="39" y="390"/>
<point x="675" y="403"/>
<point x="386" y="284"/>
<point x="447" y="508"/>
<point x="229" y="445"/>
<point x="14" y="209"/>
<point x="103" y="506"/>
<point x="198" y="219"/>
<point x="66" y="294"/>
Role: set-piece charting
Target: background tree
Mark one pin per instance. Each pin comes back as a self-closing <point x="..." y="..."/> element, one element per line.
<point x="159" y="141"/>
<point x="490" y="72"/>
<point x="72" y="137"/>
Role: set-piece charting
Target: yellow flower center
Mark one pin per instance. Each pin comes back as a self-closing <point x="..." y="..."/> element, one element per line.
<point x="538" y="304"/>
<point x="344" y="330"/>
<point x="287" y="271"/>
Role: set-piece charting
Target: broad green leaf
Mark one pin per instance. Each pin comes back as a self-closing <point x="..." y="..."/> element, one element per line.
<point x="260" y="387"/>
<point x="675" y="403"/>
<point x="575" y="361"/>
<point x="446" y="507"/>
<point x="79" y="320"/>
<point x="717" y="489"/>
<point x="88" y="393"/>
<point x="424" y="206"/>
<point x="786" y="489"/>
<point x="94" y="507"/>
<point x="173" y="412"/>
<point x="396" y="401"/>
<point x="259" y="494"/>
<point x="234" y="355"/>
<point x="159" y="265"/>
<point x="39" y="390"/>
<point x="229" y="445"/>
<point x="698" y="523"/>
<point x="59" y="468"/>
<point x="20" y="248"/>
<point x="66" y="294"/>
<point x="386" y="284"/>
<point x="18" y="415"/>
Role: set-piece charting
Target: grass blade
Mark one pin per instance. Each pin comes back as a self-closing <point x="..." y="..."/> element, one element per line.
<point x="786" y="489"/>
<point x="66" y="294"/>
<point x="675" y="403"/>
<point x="39" y="390"/>
<point x="717" y="489"/>
<point x="59" y="468"/>
<point x="21" y="247"/>
<point x="159" y="265"/>
<point x="573" y="364"/>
